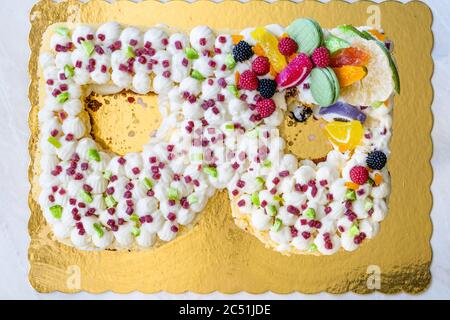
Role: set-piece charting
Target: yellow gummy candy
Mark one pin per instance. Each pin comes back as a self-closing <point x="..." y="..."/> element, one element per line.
<point x="345" y="135"/>
<point x="269" y="43"/>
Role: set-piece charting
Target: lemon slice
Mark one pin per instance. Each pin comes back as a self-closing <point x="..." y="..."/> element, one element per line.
<point x="378" y="84"/>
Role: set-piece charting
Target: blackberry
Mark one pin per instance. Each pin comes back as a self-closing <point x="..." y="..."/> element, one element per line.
<point x="242" y="51"/>
<point x="376" y="160"/>
<point x="301" y="113"/>
<point x="267" y="88"/>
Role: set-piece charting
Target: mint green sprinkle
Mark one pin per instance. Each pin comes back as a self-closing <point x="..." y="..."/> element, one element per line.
<point x="255" y="198"/>
<point x="272" y="209"/>
<point x="107" y="175"/>
<point x="94" y="155"/>
<point x="191" y="54"/>
<point x="55" y="142"/>
<point x="130" y="53"/>
<point x="230" y="62"/>
<point x="86" y="196"/>
<point x="312" y="247"/>
<point x="277" y="225"/>
<point x="62" y="97"/>
<point x="173" y="194"/>
<point x="98" y="228"/>
<point x="233" y="90"/>
<point x="147" y="183"/>
<point x="192" y="199"/>
<point x="110" y="201"/>
<point x="88" y="47"/>
<point x="56" y="211"/>
<point x="354" y="230"/>
<point x="310" y="213"/>
<point x="69" y="71"/>
<point x="63" y="31"/>
<point x="197" y="75"/>
<point x="136" y="231"/>
<point x="350" y="195"/>
<point x="267" y="163"/>
<point x="368" y="204"/>
<point x="210" y="171"/>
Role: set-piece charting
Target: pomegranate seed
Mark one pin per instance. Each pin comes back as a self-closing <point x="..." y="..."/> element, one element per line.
<point x="101" y="37"/>
<point x="306" y="234"/>
<point x="174" y="229"/>
<point x="241" y="203"/>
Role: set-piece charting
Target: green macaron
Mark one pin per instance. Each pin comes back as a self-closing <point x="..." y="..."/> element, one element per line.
<point x="307" y="33"/>
<point x="324" y="86"/>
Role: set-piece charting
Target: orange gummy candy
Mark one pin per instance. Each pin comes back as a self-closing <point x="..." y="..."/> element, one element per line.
<point x="377" y="34"/>
<point x="348" y="75"/>
<point x="377" y="179"/>
<point x="236" y="38"/>
<point x="258" y="50"/>
<point x="351" y="185"/>
<point x="349" y="57"/>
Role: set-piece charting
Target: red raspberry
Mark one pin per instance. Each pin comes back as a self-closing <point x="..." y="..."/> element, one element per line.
<point x="261" y="66"/>
<point x="248" y="80"/>
<point x="265" y="107"/>
<point x="359" y="175"/>
<point x="287" y="46"/>
<point x="321" y="57"/>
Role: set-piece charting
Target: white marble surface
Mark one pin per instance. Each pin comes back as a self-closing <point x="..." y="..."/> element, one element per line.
<point x="14" y="160"/>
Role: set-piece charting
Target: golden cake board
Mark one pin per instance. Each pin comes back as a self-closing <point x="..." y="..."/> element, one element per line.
<point x="216" y="255"/>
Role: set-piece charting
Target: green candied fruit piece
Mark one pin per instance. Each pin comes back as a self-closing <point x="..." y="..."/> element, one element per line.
<point x="333" y="43"/>
<point x="255" y="198"/>
<point x="368" y="204"/>
<point x="197" y="157"/>
<point x="63" y="31"/>
<point x="62" y="97"/>
<point x="267" y="163"/>
<point x="312" y="247"/>
<point x="55" y="142"/>
<point x="377" y="104"/>
<point x="192" y="199"/>
<point x="94" y="155"/>
<point x="230" y="62"/>
<point x="354" y="230"/>
<point x="107" y="174"/>
<point x="98" y="228"/>
<point x="56" y="211"/>
<point x="130" y="53"/>
<point x="350" y="195"/>
<point x="110" y="201"/>
<point x="136" y="231"/>
<point x="135" y="218"/>
<point x="229" y="126"/>
<point x="86" y="196"/>
<point x="370" y="181"/>
<point x="260" y="180"/>
<point x="191" y="54"/>
<point x="88" y="47"/>
<point x="272" y="210"/>
<point x="147" y="183"/>
<point x="310" y="213"/>
<point x="69" y="71"/>
<point x="210" y="171"/>
<point x="173" y="194"/>
<point x="278" y="198"/>
<point x="233" y="90"/>
<point x="197" y="75"/>
<point x="277" y="225"/>
<point x="253" y="133"/>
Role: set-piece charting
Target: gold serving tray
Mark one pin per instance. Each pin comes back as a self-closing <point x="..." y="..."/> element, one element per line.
<point x="216" y="255"/>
